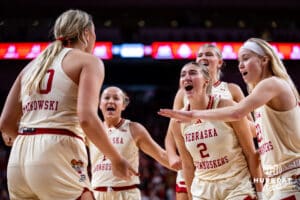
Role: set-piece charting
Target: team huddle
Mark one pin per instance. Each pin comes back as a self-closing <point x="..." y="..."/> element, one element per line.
<point x="222" y="144"/>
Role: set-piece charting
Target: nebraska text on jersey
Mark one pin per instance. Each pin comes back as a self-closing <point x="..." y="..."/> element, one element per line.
<point x="40" y="105"/>
<point x="198" y="135"/>
<point x="264" y="148"/>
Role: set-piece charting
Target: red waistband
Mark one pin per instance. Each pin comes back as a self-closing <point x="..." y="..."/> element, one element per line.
<point x="107" y="189"/>
<point x="179" y="189"/>
<point x="36" y="131"/>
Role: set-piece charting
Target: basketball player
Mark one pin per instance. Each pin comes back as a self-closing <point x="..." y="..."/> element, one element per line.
<point x="49" y="114"/>
<point x="128" y="137"/>
<point x="275" y="100"/>
<point x="210" y="56"/>
<point x="217" y="157"/>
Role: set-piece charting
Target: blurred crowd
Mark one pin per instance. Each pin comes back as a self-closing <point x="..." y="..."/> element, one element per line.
<point x="175" y="24"/>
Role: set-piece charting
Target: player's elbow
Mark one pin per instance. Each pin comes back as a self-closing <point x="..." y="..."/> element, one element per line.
<point x="7" y="127"/>
<point x="86" y="119"/>
<point x="84" y="123"/>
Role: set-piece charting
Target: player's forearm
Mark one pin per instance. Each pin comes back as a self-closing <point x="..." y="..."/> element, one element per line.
<point x="170" y="143"/>
<point x="188" y="172"/>
<point x="96" y="133"/>
<point x="255" y="171"/>
<point x="159" y="154"/>
<point x="165" y="161"/>
<point x="171" y="149"/>
<point x="225" y="114"/>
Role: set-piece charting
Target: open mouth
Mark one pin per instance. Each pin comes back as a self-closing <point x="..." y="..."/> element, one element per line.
<point x="188" y="87"/>
<point x="244" y="73"/>
<point x="204" y="63"/>
<point x="110" y="109"/>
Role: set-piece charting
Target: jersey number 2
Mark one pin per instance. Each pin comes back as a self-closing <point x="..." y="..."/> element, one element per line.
<point x="203" y="150"/>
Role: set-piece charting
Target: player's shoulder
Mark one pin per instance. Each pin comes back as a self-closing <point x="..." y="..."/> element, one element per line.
<point x="236" y="91"/>
<point x="83" y="57"/>
<point x="273" y="80"/>
<point x="134" y="125"/>
<point x="138" y="131"/>
<point x="274" y="84"/>
<point x="86" y="61"/>
<point x="233" y="86"/>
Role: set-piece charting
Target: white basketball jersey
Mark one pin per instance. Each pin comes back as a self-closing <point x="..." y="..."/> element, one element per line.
<point x="214" y="148"/>
<point x="278" y="135"/>
<point x="221" y="90"/>
<point x="101" y="166"/>
<point x="55" y="105"/>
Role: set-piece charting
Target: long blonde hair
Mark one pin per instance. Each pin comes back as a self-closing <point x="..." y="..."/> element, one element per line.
<point x="276" y="65"/>
<point x="68" y="28"/>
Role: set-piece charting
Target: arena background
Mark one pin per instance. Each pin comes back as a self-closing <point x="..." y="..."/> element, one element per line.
<point x="150" y="83"/>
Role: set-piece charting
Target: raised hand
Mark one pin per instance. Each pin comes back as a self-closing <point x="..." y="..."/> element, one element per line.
<point x="179" y="115"/>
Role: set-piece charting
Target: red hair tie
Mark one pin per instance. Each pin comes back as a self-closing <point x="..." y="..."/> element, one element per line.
<point x="60" y="39"/>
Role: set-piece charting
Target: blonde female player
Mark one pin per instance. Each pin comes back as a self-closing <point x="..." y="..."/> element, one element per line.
<point x="48" y="106"/>
<point x="275" y="100"/>
<point x="210" y="56"/>
<point x="217" y="157"/>
<point x="128" y="137"/>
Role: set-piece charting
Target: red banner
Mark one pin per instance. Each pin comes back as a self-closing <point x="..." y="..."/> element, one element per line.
<point x="158" y="50"/>
<point x="30" y="50"/>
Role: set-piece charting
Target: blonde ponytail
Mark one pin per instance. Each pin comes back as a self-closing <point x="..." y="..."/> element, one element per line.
<point x="68" y="29"/>
<point x="35" y="76"/>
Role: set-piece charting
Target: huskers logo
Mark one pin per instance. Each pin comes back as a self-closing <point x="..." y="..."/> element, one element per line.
<point x="296" y="181"/>
<point x="78" y="166"/>
<point x="264" y="146"/>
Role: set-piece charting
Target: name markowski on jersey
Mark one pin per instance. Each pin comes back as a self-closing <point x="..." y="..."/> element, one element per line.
<point x="40" y="105"/>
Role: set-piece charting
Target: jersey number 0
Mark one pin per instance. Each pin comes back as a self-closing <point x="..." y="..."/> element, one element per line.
<point x="46" y="85"/>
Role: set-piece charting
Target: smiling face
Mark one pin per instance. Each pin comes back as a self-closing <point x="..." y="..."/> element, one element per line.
<point x="112" y="102"/>
<point x="192" y="80"/>
<point x="250" y="66"/>
<point x="210" y="56"/>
